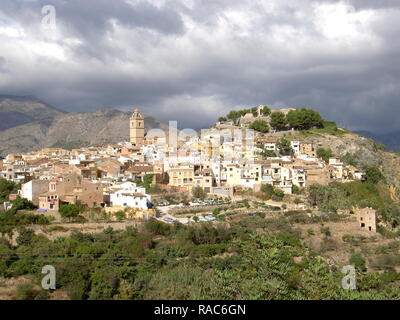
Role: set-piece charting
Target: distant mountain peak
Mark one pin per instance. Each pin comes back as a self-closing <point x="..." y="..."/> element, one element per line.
<point x="32" y="125"/>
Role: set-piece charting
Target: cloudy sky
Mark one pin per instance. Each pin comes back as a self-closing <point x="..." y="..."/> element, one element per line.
<point x="193" y="60"/>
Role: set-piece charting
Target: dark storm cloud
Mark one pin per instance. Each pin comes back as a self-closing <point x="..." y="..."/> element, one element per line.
<point x="194" y="60"/>
<point x="92" y="18"/>
<point x="370" y="4"/>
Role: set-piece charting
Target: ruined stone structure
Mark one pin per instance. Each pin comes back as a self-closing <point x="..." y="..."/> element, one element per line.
<point x="367" y="218"/>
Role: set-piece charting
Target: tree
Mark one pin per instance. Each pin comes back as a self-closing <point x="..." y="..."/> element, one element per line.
<point x="222" y="119"/>
<point x="7" y="188"/>
<point x="69" y="211"/>
<point x="22" y="204"/>
<point x="304" y="119"/>
<point x="350" y="159"/>
<point x="259" y="125"/>
<point x="278" y="194"/>
<point x="25" y="237"/>
<point x="233" y="115"/>
<point x="104" y="284"/>
<point x="199" y="193"/>
<point x="268" y="154"/>
<point x="332" y="197"/>
<point x="296" y="189"/>
<point x="254" y="111"/>
<point x="324" y="154"/>
<point x="147" y="181"/>
<point x="272" y="193"/>
<point x="358" y="261"/>
<point x="158" y="228"/>
<point x="373" y="174"/>
<point x="293" y="119"/>
<point x="268" y="190"/>
<point x="266" y="111"/>
<point x="278" y="120"/>
<point x="284" y="146"/>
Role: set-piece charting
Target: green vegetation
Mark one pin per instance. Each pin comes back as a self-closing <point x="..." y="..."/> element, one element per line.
<point x="21" y="204"/>
<point x="379" y="146"/>
<point x="266" y="111"/>
<point x="25" y="236"/>
<point x="324" y="154"/>
<point x="189" y="262"/>
<point x="147" y="183"/>
<point x="284" y="146"/>
<point x="236" y="114"/>
<point x="278" y="120"/>
<point x="350" y="159"/>
<point x="260" y="125"/>
<point x="296" y="190"/>
<point x="11" y="219"/>
<point x="373" y="175"/>
<point x="310" y="232"/>
<point x="70" y="211"/>
<point x="268" y="154"/>
<point x="199" y="193"/>
<point x="358" y="261"/>
<point x="304" y="119"/>
<point x="28" y="292"/>
<point x="309" y="122"/>
<point x="336" y="196"/>
<point x="7" y="188"/>
<point x="326" y="231"/>
<point x="271" y="192"/>
<point x="120" y="215"/>
<point x="328" y="127"/>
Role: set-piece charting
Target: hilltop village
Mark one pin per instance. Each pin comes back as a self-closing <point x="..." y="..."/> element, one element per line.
<point x="239" y="156"/>
<point x="174" y="214"/>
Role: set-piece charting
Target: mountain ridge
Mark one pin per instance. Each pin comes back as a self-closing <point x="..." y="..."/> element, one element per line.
<point x="62" y="129"/>
<point x="19" y="110"/>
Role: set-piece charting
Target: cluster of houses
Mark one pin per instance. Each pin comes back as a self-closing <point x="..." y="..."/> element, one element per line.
<point x="217" y="171"/>
<point x="219" y="160"/>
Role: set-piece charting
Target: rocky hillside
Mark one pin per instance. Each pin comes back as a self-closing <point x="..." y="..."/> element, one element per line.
<point x="15" y="111"/>
<point x="363" y="150"/>
<point x="71" y="130"/>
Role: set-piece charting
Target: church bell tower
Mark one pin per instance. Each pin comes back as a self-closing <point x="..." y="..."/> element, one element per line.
<point x="137" y="128"/>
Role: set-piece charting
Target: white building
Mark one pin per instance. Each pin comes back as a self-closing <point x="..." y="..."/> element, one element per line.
<point x="32" y="189"/>
<point x="295" y="147"/>
<point x="129" y="195"/>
